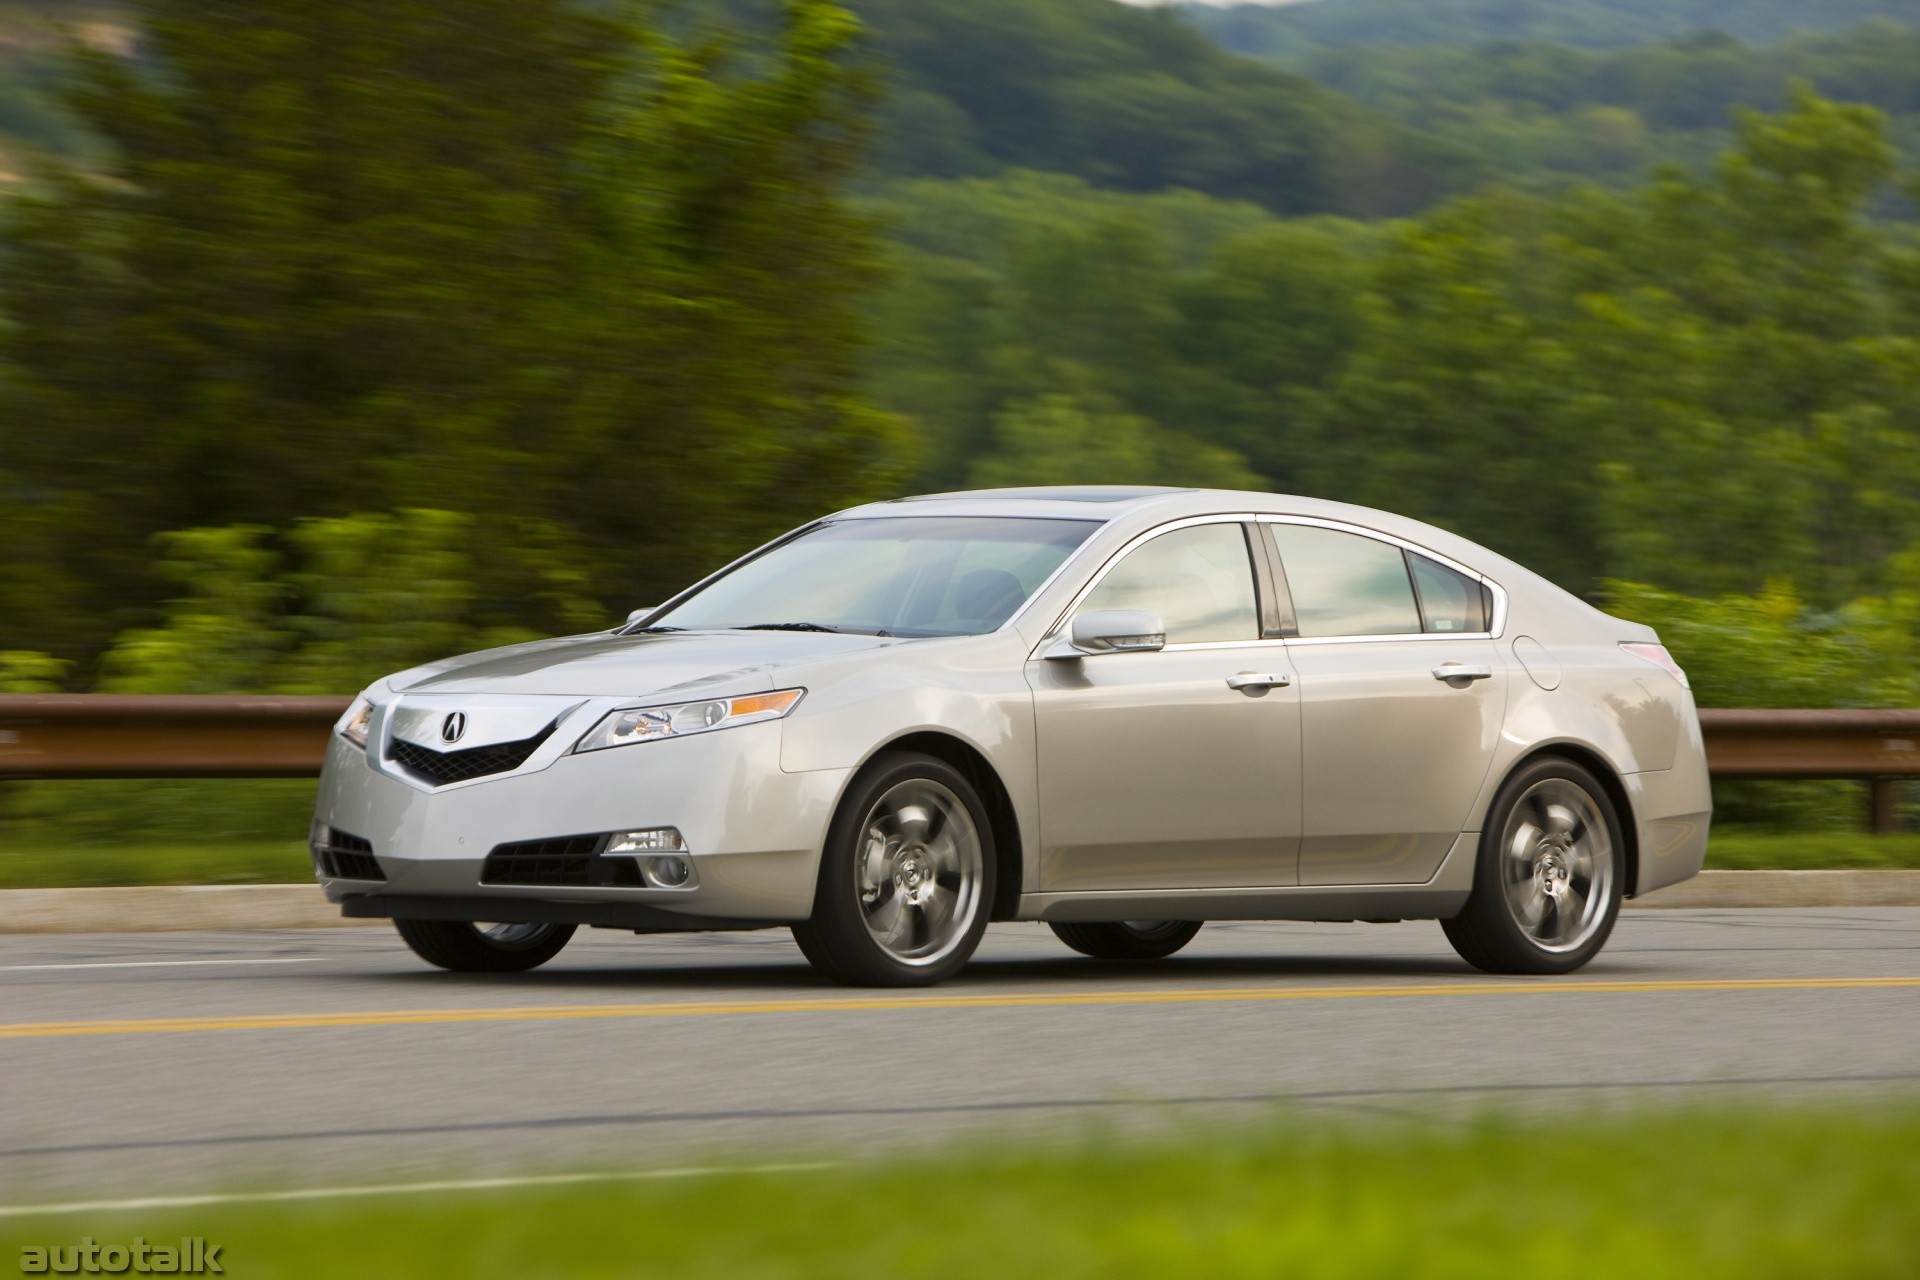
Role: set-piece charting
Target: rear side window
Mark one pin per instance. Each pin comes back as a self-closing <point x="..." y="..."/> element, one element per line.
<point x="1344" y="584"/>
<point x="1451" y="603"/>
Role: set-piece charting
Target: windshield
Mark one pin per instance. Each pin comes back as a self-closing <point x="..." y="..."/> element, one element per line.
<point x="905" y="576"/>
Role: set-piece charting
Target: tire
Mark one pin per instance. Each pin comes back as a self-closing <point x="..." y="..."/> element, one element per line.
<point x="469" y="948"/>
<point x="906" y="877"/>
<point x="1547" y="884"/>
<point x="1128" y="939"/>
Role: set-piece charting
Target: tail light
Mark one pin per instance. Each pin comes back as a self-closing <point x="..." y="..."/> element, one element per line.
<point x="1657" y="654"/>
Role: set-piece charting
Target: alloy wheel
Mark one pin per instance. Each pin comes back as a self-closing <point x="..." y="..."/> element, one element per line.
<point x="918" y="871"/>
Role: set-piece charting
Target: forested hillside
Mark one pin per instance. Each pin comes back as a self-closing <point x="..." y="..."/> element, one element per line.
<point x="1547" y="113"/>
<point x="1130" y="99"/>
<point x="1601" y="90"/>
<point x="1292" y="32"/>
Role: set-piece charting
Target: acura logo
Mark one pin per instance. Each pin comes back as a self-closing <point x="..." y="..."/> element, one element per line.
<point x="453" y="726"/>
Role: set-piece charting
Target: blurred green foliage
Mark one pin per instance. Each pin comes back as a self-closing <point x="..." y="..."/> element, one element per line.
<point x="1771" y="649"/>
<point x="1705" y="384"/>
<point x="1543" y="114"/>
<point x="329" y="606"/>
<point x="1757" y="1192"/>
<point x="1061" y="439"/>
<point x="526" y="260"/>
<point x="1292" y="31"/>
<point x="1128" y="98"/>
<point x="332" y="606"/>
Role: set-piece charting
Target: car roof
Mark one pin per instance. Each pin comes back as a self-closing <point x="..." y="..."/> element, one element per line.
<point x="1106" y="500"/>
<point x="1119" y="502"/>
<point x="1137" y="507"/>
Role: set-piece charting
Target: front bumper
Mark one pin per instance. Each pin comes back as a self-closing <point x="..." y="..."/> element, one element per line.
<point x="754" y="832"/>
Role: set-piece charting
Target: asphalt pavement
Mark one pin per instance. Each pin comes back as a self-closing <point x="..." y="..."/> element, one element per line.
<point x="166" y="1064"/>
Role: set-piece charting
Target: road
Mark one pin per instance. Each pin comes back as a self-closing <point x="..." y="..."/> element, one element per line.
<point x="166" y="1063"/>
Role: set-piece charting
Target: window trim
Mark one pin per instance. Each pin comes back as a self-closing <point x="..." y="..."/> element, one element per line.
<point x="1252" y="522"/>
<point x="1499" y="611"/>
<point x="1244" y="520"/>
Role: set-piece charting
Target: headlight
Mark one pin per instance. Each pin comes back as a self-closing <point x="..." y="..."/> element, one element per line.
<point x="648" y="724"/>
<point x="353" y="725"/>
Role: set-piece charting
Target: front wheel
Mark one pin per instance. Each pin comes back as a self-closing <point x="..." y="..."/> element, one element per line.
<point x="478" y="948"/>
<point x="1127" y="939"/>
<point x="906" y="878"/>
<point x="1547" y="886"/>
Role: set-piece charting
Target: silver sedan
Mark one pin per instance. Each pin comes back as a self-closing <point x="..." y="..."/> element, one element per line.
<point x="1120" y="711"/>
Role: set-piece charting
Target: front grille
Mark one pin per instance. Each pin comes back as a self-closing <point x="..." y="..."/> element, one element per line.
<point x="444" y="767"/>
<point x="562" y="860"/>
<point x="345" y="857"/>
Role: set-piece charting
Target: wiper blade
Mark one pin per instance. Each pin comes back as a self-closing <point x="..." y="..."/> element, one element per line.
<point x="811" y="626"/>
<point x="651" y="631"/>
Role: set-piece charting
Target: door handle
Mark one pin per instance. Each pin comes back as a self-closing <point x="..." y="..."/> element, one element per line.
<point x="1249" y="680"/>
<point x="1451" y="671"/>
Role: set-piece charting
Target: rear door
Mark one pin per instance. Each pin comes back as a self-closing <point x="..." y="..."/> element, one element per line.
<point x="1402" y="696"/>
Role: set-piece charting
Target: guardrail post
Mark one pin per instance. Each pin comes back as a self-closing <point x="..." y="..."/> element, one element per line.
<point x="1883" y="807"/>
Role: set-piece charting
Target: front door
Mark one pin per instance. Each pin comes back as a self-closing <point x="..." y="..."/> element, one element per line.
<point x="1155" y="771"/>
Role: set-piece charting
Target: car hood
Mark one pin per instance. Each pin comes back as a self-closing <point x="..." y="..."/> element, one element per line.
<point x="606" y="665"/>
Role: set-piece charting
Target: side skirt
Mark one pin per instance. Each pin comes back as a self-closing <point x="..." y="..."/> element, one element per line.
<point x="1438" y="899"/>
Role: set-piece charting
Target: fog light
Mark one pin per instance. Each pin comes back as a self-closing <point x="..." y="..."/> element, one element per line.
<point x="668" y="873"/>
<point x="661" y="853"/>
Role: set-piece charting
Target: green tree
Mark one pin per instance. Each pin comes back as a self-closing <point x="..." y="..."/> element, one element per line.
<point x="323" y="607"/>
<point x="529" y="260"/>
<point x="24" y="671"/>
<point x="1060" y="439"/>
<point x="1704" y="385"/>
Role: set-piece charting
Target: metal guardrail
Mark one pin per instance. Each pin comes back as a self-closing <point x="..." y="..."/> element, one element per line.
<point x="1880" y="747"/>
<point x="85" y="735"/>
<point x="103" y="735"/>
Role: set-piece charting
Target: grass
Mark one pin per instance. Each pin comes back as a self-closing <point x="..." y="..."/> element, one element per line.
<point x="1810" y="850"/>
<point x="40" y="864"/>
<point x="1753" y="1193"/>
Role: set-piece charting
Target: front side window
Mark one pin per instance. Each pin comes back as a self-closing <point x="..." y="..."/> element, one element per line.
<point x="1199" y="580"/>
<point x="898" y="576"/>
<point x="1344" y="584"/>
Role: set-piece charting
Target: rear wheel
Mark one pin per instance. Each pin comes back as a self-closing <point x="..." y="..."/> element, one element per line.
<point x="1128" y="939"/>
<point x="1546" y="888"/>
<point x="906" y="878"/>
<point x="484" y="948"/>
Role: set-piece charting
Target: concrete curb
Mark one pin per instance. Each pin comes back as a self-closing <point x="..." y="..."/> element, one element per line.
<point x="1789" y="889"/>
<point x="167" y="908"/>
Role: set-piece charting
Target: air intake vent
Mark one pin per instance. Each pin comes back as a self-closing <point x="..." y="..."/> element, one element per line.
<point x="345" y="857"/>
<point x="444" y="767"/>
<point x="563" y="860"/>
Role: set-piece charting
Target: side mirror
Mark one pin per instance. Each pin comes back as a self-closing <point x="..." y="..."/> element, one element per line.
<point x="1111" y="631"/>
<point x="638" y="614"/>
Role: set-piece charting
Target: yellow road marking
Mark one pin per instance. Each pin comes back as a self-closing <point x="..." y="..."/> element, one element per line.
<point x="930" y="1000"/>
